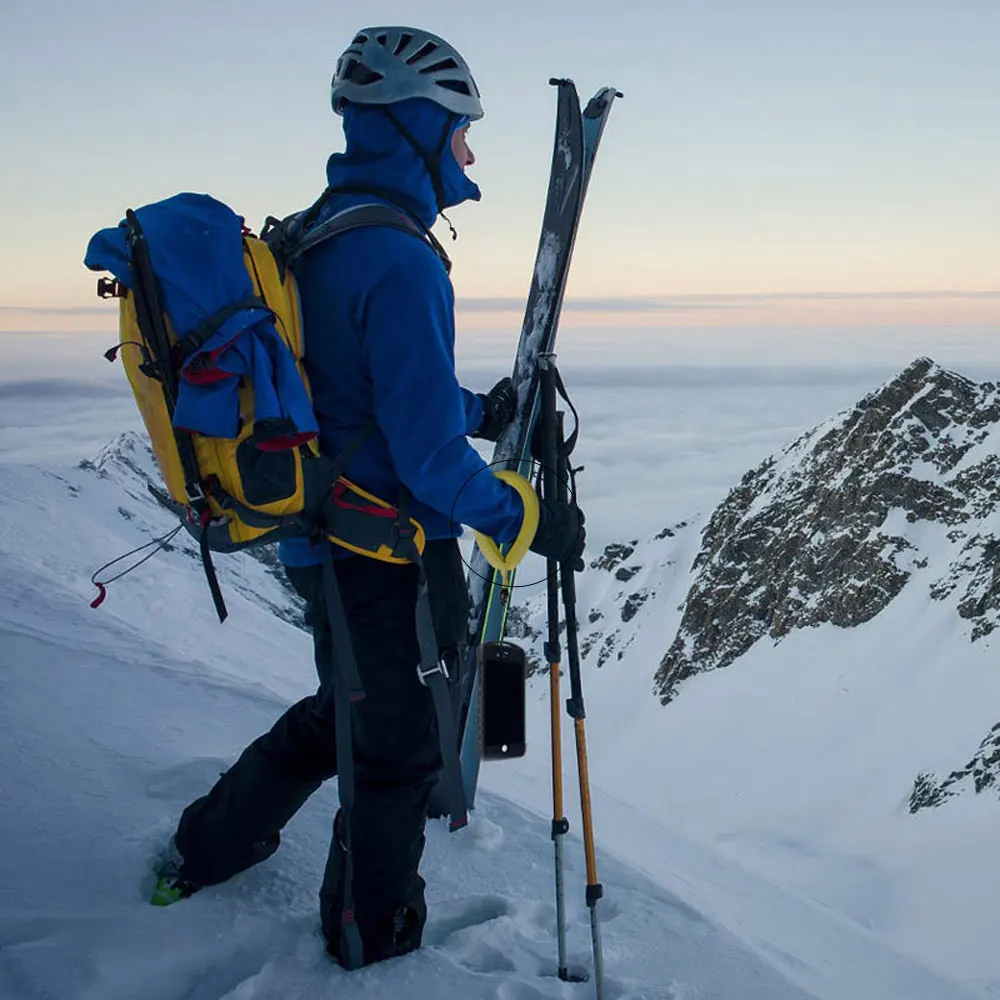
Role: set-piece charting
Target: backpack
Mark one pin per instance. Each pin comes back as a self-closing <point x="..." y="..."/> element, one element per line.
<point x="211" y="341"/>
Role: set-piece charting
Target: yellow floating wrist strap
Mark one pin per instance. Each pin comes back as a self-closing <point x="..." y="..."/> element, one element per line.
<point x="506" y="564"/>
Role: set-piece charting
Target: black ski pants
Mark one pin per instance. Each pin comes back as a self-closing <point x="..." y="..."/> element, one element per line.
<point x="396" y="752"/>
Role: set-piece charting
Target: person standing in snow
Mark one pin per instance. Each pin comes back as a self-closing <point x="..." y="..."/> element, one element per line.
<point x="378" y="316"/>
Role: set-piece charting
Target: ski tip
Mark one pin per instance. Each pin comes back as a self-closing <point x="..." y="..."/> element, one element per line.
<point x="560" y="81"/>
<point x="598" y="105"/>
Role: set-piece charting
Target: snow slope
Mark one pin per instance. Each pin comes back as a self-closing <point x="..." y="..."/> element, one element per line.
<point x="113" y="719"/>
<point x="793" y="746"/>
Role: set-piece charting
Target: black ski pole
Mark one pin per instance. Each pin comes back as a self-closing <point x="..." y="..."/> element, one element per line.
<point x="553" y="651"/>
<point x="574" y="706"/>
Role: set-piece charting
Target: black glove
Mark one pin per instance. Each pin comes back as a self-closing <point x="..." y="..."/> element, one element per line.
<point x="499" y="407"/>
<point x="561" y="534"/>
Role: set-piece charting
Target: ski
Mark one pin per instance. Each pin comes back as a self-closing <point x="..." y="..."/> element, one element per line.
<point x="577" y="137"/>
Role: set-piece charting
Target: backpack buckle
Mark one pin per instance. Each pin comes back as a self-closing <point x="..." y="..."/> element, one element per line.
<point x="405" y="541"/>
<point x="110" y="288"/>
<point x="439" y="668"/>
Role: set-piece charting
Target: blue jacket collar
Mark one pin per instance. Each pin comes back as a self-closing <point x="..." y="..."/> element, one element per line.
<point x="379" y="156"/>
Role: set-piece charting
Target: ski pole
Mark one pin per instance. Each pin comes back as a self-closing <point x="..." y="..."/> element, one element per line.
<point x="553" y="651"/>
<point x="560" y="474"/>
<point x="575" y="708"/>
<point x="577" y="712"/>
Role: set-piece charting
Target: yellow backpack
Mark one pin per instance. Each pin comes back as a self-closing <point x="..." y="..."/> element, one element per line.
<point x="262" y="483"/>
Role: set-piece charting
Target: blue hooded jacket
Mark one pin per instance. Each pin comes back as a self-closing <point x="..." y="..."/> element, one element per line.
<point x="378" y="316"/>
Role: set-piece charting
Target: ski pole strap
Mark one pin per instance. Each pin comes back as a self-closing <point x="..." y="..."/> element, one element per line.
<point x="569" y="444"/>
<point x="506" y="564"/>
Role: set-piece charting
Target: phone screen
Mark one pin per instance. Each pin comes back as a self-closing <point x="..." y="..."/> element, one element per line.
<point x="502" y="701"/>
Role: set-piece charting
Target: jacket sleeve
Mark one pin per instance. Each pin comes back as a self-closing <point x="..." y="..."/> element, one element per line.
<point x="409" y="338"/>
<point x="473" y="410"/>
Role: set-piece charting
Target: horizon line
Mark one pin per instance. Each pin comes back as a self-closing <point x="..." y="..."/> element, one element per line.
<point x="618" y="304"/>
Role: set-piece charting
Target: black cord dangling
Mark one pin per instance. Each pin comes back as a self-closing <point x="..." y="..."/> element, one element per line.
<point x="454" y="231"/>
<point x="155" y="544"/>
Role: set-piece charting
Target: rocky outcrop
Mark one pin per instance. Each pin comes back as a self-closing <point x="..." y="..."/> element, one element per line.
<point x="819" y="533"/>
<point x="980" y="773"/>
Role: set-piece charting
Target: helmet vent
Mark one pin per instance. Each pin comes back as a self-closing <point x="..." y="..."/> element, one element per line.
<point x="428" y="48"/>
<point x="383" y="40"/>
<point x="404" y="40"/>
<point x="359" y="73"/>
<point x="359" y="40"/>
<point x="458" y="86"/>
<point x="448" y="63"/>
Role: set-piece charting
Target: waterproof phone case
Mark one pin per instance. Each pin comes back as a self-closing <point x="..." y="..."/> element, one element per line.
<point x="501" y="700"/>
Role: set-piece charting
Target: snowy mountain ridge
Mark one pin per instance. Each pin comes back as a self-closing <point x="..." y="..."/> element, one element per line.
<point x="902" y="490"/>
<point x="837" y="525"/>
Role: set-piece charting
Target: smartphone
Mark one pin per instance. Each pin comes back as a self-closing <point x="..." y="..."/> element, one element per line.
<point x="501" y="668"/>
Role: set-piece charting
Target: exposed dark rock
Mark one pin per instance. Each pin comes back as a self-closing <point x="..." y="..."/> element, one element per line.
<point x="633" y="603"/>
<point x="927" y="792"/>
<point x="614" y="554"/>
<point x="607" y="648"/>
<point x="519" y="627"/>
<point x="977" y="571"/>
<point x="817" y="534"/>
<point x="979" y="774"/>
<point x="519" y="624"/>
<point x="588" y="642"/>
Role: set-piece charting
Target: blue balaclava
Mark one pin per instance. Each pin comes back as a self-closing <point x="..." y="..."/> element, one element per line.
<point x="403" y="150"/>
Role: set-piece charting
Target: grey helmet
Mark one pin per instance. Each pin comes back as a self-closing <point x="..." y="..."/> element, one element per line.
<point x="389" y="64"/>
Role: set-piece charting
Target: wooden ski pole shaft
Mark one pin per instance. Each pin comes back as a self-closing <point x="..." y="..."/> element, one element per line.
<point x="575" y="708"/>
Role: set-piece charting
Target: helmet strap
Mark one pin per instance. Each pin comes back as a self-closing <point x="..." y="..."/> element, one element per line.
<point x="432" y="160"/>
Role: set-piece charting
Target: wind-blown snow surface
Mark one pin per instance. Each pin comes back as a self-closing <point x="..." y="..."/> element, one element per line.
<point x="720" y="880"/>
<point x="113" y="719"/>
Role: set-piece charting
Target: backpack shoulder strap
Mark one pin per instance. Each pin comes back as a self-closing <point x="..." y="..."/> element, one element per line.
<point x="359" y="217"/>
<point x="292" y="237"/>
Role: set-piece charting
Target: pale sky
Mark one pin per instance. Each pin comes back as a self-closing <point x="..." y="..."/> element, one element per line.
<point x="766" y="152"/>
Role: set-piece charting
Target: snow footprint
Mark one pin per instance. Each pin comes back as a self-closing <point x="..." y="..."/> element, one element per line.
<point x="462" y="930"/>
<point x="451" y="917"/>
